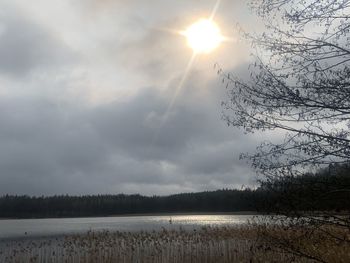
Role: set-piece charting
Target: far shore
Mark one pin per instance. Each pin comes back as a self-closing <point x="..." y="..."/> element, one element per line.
<point x="144" y="214"/>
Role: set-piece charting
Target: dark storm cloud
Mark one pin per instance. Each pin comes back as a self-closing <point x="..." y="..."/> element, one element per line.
<point x="39" y="142"/>
<point x="47" y="148"/>
<point x="25" y="45"/>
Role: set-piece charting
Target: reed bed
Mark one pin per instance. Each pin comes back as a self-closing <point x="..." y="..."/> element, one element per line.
<point x="318" y="243"/>
<point x="224" y="244"/>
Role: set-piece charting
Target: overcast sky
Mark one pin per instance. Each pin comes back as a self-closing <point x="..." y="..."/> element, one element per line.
<point x="85" y="84"/>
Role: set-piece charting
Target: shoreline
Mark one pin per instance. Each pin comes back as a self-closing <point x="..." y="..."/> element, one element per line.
<point x="142" y="214"/>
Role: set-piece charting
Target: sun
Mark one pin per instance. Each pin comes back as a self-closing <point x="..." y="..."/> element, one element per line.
<point x="203" y="36"/>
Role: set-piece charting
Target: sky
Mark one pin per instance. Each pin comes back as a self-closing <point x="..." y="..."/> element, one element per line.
<point x="85" y="89"/>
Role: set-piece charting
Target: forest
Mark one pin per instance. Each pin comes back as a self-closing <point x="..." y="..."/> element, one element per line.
<point x="281" y="195"/>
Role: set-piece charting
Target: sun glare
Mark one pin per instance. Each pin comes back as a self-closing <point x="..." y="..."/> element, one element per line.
<point x="203" y="36"/>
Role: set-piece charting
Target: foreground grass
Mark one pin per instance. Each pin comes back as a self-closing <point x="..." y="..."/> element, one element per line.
<point x="224" y="244"/>
<point x="317" y="243"/>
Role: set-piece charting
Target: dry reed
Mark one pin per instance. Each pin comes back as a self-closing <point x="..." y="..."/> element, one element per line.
<point x="208" y="244"/>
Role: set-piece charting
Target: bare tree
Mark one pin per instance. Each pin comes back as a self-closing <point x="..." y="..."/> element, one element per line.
<point x="299" y="84"/>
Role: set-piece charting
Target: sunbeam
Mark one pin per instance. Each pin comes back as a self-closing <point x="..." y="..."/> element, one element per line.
<point x="196" y="49"/>
<point x="173" y="99"/>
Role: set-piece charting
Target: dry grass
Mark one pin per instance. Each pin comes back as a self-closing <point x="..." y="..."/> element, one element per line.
<point x="323" y="243"/>
<point x="224" y="244"/>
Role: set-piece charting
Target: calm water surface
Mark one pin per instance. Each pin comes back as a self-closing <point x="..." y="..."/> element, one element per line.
<point x="18" y="228"/>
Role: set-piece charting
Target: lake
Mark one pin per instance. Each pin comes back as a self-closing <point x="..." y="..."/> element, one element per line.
<point x="21" y="228"/>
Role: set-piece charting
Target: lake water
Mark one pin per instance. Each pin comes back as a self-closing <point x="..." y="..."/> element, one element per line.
<point x="21" y="228"/>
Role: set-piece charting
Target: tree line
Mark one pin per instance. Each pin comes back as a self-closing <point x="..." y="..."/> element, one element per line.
<point x="105" y="205"/>
<point x="321" y="191"/>
<point x="314" y="193"/>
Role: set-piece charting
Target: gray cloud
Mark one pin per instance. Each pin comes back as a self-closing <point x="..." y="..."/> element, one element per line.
<point x="47" y="148"/>
<point x="25" y="45"/>
<point x="64" y="144"/>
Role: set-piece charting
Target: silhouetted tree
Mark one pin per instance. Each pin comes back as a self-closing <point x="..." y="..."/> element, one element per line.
<point x="300" y="84"/>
